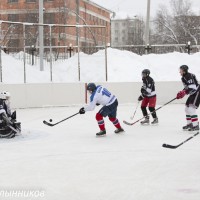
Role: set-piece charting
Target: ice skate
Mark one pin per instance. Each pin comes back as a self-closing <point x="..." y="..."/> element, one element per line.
<point x="194" y="128"/>
<point x="119" y="130"/>
<point x="145" y="121"/>
<point x="187" y="126"/>
<point x="101" y="133"/>
<point x="155" y="121"/>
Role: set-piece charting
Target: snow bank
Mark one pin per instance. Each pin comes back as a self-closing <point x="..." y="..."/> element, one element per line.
<point x="123" y="66"/>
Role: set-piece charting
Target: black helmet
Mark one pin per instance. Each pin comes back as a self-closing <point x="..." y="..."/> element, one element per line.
<point x="146" y="72"/>
<point x="91" y="87"/>
<point x="184" y="68"/>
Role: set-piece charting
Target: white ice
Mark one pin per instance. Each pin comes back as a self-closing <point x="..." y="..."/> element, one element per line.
<point x="68" y="162"/>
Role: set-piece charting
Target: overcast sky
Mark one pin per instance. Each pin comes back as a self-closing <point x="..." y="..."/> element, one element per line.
<point x="138" y="7"/>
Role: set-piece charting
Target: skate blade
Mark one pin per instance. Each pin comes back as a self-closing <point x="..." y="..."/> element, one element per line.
<point x="192" y="131"/>
<point x="119" y="132"/>
<point x="101" y="135"/>
<point x="145" y="124"/>
<point x="155" y="124"/>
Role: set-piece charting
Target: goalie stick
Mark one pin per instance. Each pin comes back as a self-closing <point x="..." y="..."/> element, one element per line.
<point x="16" y="131"/>
<point x="50" y="124"/>
<point x="130" y="124"/>
<point x="176" y="146"/>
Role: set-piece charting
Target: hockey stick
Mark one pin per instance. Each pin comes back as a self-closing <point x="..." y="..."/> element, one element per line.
<point x="130" y="124"/>
<point x="16" y="131"/>
<point x="132" y="117"/>
<point x="50" y="124"/>
<point x="9" y="124"/>
<point x="176" y="146"/>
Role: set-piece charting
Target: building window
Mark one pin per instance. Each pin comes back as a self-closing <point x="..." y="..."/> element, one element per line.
<point x="116" y="31"/>
<point x="116" y="39"/>
<point x="124" y="24"/>
<point x="48" y="0"/>
<point x="116" y="25"/>
<point x="32" y="17"/>
<point x="30" y="1"/>
<point x="12" y="1"/>
<point x="49" y="18"/>
<point x="13" y="17"/>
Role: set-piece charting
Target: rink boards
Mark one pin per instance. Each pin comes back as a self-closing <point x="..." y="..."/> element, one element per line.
<point x="65" y="94"/>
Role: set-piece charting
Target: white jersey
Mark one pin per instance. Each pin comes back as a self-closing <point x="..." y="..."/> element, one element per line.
<point x="9" y="112"/>
<point x="100" y="96"/>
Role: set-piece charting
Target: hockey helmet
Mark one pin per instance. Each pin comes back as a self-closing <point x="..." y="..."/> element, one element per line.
<point x="7" y="94"/>
<point x="91" y="87"/>
<point x="2" y="96"/>
<point x="184" y="68"/>
<point x="146" y="72"/>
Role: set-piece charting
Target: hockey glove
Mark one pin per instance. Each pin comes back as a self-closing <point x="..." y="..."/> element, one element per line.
<point x="181" y="94"/>
<point x="140" y="98"/>
<point x="82" y="111"/>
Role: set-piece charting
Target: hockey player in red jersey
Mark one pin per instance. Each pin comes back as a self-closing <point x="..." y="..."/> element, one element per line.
<point x="191" y="88"/>
<point x="101" y="96"/>
<point x="148" y="97"/>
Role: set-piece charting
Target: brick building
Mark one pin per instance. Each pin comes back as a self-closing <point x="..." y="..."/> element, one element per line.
<point x="55" y="12"/>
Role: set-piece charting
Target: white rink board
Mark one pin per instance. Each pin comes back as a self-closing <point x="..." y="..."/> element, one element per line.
<point x="42" y="95"/>
<point x="65" y="94"/>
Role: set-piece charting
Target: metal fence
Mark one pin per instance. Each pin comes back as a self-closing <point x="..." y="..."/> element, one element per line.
<point x="21" y="39"/>
<point x="59" y="54"/>
<point x="160" y="49"/>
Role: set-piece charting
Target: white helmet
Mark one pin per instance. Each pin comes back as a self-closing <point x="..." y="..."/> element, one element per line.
<point x="7" y="94"/>
<point x="2" y="96"/>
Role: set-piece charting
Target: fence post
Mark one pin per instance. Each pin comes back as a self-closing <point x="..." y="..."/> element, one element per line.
<point x="106" y="55"/>
<point x="0" y="66"/>
<point x="147" y="48"/>
<point x="79" y="68"/>
<point x="24" y="35"/>
<point x="188" y="47"/>
<point x="51" y="70"/>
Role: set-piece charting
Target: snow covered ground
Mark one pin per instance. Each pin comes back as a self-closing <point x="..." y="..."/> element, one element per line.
<point x="123" y="66"/>
<point x="68" y="161"/>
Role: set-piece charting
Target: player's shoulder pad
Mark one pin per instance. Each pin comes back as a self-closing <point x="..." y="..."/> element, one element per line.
<point x="94" y="93"/>
<point x="150" y="79"/>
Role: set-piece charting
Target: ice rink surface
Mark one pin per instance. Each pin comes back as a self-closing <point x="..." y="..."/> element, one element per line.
<point x="68" y="162"/>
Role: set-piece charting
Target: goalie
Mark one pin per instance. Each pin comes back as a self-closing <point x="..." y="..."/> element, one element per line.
<point x="9" y="127"/>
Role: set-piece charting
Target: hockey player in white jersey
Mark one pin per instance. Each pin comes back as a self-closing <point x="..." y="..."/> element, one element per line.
<point x="101" y="96"/>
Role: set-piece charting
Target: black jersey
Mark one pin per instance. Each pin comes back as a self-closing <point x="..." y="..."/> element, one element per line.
<point x="148" y="88"/>
<point x="190" y="83"/>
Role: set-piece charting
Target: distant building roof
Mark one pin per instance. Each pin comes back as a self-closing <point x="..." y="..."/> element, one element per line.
<point x="97" y="5"/>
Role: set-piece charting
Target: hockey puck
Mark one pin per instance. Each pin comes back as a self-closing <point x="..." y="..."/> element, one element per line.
<point x="50" y="120"/>
<point x="164" y="145"/>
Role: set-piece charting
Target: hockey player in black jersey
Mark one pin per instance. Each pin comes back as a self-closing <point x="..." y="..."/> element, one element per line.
<point x="148" y="97"/>
<point x="192" y="88"/>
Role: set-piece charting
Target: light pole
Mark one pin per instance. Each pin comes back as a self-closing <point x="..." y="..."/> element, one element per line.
<point x="147" y="25"/>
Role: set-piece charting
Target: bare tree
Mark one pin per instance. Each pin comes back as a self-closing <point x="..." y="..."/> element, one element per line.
<point x="178" y="26"/>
